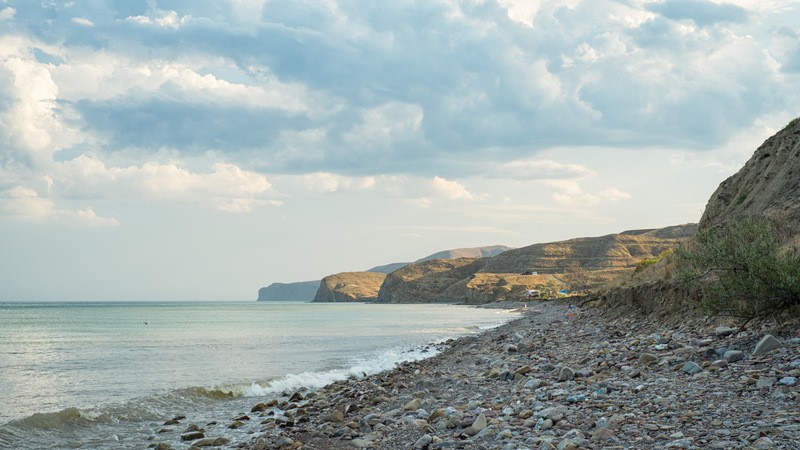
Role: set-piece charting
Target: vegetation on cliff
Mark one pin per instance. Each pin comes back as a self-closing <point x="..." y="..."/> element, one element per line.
<point x="746" y="269"/>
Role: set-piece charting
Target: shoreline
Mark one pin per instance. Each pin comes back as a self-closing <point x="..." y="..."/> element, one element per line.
<point x="557" y="378"/>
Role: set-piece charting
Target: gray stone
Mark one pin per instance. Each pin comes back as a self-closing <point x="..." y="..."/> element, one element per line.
<point x="566" y="374"/>
<point x="764" y="382"/>
<point x="788" y="381"/>
<point x="477" y="426"/>
<point x="192" y="435"/>
<point x="691" y="368"/>
<point x="733" y="355"/>
<point x="767" y="344"/>
<point x="648" y="358"/>
<point x="212" y="442"/>
<point x="723" y="331"/>
<point x="423" y="441"/>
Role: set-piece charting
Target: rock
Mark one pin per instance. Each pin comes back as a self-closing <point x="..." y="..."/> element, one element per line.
<point x="648" y="358"/>
<point x="788" y="381"/>
<point x="192" y="435"/>
<point x="763" y="443"/>
<point x="335" y="416"/>
<point x="524" y="370"/>
<point x="360" y="443"/>
<point x="566" y="374"/>
<point x="723" y="331"/>
<point x="284" y="441"/>
<point x="236" y="425"/>
<point x="766" y="345"/>
<point x="477" y="426"/>
<point x="413" y="405"/>
<point x="733" y="355"/>
<point x="554" y="413"/>
<point x="577" y="398"/>
<point x="423" y="442"/>
<point x="162" y="446"/>
<point x="217" y="442"/>
<point x="691" y="368"/>
<point x="511" y="348"/>
<point x="764" y="382"/>
<point x="533" y="383"/>
<point x="264" y="406"/>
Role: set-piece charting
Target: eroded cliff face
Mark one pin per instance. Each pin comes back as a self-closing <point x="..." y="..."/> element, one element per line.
<point x="614" y="251"/>
<point x="428" y="281"/>
<point x="573" y="265"/>
<point x="350" y="287"/>
<point x="768" y="185"/>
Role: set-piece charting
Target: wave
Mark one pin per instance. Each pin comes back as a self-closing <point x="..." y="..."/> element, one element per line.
<point x="363" y="366"/>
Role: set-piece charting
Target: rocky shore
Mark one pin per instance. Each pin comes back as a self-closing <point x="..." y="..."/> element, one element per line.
<point x="562" y="378"/>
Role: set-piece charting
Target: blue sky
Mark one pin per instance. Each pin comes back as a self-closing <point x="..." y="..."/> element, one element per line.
<point x="160" y="150"/>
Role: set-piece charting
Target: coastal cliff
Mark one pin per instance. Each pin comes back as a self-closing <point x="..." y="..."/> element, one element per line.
<point x="349" y="287"/>
<point x="301" y="291"/>
<point x="767" y="185"/>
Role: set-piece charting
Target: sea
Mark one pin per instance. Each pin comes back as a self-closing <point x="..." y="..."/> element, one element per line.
<point x="108" y="375"/>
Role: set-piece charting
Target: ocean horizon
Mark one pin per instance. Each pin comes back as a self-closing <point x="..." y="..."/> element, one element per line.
<point x="109" y="374"/>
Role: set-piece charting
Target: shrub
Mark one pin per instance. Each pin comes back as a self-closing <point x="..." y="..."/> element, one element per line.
<point x="650" y="261"/>
<point x="744" y="269"/>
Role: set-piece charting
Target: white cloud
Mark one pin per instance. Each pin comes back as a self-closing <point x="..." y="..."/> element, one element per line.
<point x="226" y="187"/>
<point x="25" y="203"/>
<point x="82" y="21"/>
<point x="7" y="13"/>
<point x="163" y="19"/>
<point x="540" y="169"/>
<point x="331" y="182"/>
<point x="451" y="190"/>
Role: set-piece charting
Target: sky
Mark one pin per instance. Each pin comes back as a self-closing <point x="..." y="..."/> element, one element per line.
<point x="174" y="150"/>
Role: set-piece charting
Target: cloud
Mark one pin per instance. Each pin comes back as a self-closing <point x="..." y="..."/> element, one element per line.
<point x="7" y="13"/>
<point x="226" y="187"/>
<point x="452" y="190"/>
<point x="701" y="12"/>
<point x="25" y="203"/>
<point x="164" y="19"/>
<point x="82" y="21"/>
<point x="540" y="169"/>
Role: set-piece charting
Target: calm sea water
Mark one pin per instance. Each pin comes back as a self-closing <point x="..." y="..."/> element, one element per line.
<point x="107" y="375"/>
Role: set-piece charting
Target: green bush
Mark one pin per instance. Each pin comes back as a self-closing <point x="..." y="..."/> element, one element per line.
<point x="650" y="261"/>
<point x="744" y="269"/>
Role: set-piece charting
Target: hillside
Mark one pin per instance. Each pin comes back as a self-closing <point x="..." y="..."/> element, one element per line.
<point x="767" y="185"/>
<point x="573" y="265"/>
<point x="349" y="287"/>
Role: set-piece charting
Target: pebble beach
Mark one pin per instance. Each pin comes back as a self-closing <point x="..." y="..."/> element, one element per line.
<point x="559" y="377"/>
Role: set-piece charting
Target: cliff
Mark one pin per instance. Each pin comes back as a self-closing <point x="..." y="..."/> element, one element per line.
<point x="302" y="291"/>
<point x="428" y="281"/>
<point x="572" y="265"/>
<point x="350" y="287"/>
<point x="618" y="252"/>
<point x="768" y="184"/>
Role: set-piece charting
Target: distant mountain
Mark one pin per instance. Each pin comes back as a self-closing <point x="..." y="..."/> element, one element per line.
<point x="302" y="291"/>
<point x="306" y="291"/>
<point x="475" y="252"/>
<point x="388" y="268"/>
